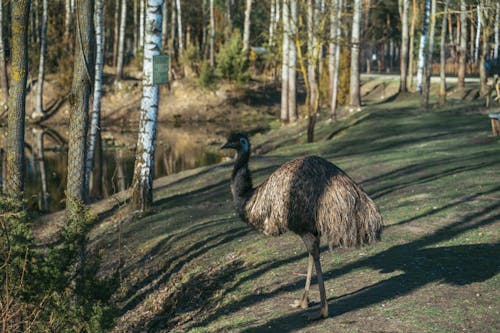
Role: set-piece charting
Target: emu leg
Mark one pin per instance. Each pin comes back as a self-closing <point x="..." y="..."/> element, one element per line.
<point x="304" y="301"/>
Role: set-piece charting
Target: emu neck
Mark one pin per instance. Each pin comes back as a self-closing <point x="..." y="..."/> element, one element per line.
<point x="241" y="182"/>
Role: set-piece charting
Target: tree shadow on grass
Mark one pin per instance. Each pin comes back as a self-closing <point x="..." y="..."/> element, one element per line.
<point x="421" y="262"/>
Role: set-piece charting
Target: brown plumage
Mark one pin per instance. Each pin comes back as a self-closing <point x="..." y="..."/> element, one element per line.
<point x="309" y="196"/>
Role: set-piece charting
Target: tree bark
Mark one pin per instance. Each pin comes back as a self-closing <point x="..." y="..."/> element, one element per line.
<point x="337" y="59"/>
<point x="292" y="63"/>
<point x="272" y="23"/>
<point x="354" y="91"/>
<point x="423" y="47"/>
<point x="79" y="105"/>
<point x="179" y="26"/>
<point x="14" y="178"/>
<point x="4" y="84"/>
<point x="38" y="114"/>
<point x="404" y="47"/>
<point x="463" y="47"/>
<point x="164" y="25"/>
<point x="284" y="64"/>
<point x="246" y="28"/>
<point x="142" y="185"/>
<point x="116" y="35"/>
<point x="212" y="34"/>
<point x="141" y="23"/>
<point x="478" y="32"/>
<point x="95" y="118"/>
<point x="428" y="62"/>
<point x="121" y="41"/>
<point x="497" y="37"/>
<point x="411" y="61"/>
<point x="442" y="54"/>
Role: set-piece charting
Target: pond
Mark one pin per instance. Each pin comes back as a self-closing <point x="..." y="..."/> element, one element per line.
<point x="178" y="148"/>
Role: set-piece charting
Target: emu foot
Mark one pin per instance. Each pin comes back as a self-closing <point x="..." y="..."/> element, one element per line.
<point x="316" y="315"/>
<point x="303" y="303"/>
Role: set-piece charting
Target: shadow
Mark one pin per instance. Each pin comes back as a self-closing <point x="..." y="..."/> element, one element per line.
<point x="419" y="262"/>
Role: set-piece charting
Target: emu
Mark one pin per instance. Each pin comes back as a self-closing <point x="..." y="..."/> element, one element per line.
<point x="312" y="198"/>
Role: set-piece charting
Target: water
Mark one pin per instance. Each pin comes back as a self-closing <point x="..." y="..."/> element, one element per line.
<point x="177" y="149"/>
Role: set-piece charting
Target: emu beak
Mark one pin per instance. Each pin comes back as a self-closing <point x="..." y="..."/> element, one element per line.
<point x="228" y="145"/>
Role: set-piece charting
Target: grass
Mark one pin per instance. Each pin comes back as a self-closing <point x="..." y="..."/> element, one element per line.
<point x="192" y="265"/>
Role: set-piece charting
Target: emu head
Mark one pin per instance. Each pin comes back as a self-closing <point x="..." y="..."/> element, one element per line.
<point x="238" y="141"/>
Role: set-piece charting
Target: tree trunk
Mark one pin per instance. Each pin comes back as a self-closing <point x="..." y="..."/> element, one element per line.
<point x="272" y="24"/>
<point x="38" y="152"/>
<point x="354" y="91"/>
<point x="121" y="41"/>
<point x="423" y="48"/>
<point x="292" y="63"/>
<point x="442" y="54"/>
<point x="478" y="33"/>
<point x="212" y="34"/>
<point x="463" y="47"/>
<point x="337" y="59"/>
<point x="284" y="63"/>
<point x="164" y="25"/>
<point x="497" y="37"/>
<point x="136" y="27"/>
<point x="411" y="61"/>
<point x="14" y="178"/>
<point x="38" y="114"/>
<point x="116" y="35"/>
<point x="428" y="64"/>
<point x="79" y="105"/>
<point x="95" y="118"/>
<point x="4" y="85"/>
<point x="141" y="23"/>
<point x="246" y="28"/>
<point x="67" y="19"/>
<point x="142" y="185"/>
<point x="404" y="47"/>
<point x="179" y="27"/>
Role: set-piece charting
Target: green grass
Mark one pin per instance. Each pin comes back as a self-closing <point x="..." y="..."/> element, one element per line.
<point x="192" y="265"/>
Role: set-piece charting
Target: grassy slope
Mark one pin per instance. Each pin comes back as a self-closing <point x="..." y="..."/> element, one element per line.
<point x="191" y="265"/>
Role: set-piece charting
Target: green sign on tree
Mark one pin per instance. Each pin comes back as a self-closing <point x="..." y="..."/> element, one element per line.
<point x="160" y="69"/>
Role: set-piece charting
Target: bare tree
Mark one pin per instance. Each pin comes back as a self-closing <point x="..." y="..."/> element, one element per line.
<point x="246" y="27"/>
<point x="95" y="118"/>
<point x="337" y="59"/>
<point x="292" y="64"/>
<point x="404" y="45"/>
<point x="14" y="179"/>
<point x="354" y="92"/>
<point x="79" y="105"/>
<point x="179" y="26"/>
<point x="284" y="62"/>
<point x="121" y="41"/>
<point x="462" y="47"/>
<point x="4" y="85"/>
<point x="411" y="61"/>
<point x="423" y="47"/>
<point x="442" y="51"/>
<point x="38" y="114"/>
<point x="428" y="54"/>
<point x="142" y="184"/>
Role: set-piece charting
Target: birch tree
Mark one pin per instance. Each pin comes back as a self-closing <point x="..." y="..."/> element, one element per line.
<point x="354" y="91"/>
<point x="246" y="27"/>
<point x="141" y="23"/>
<point x="79" y="105"/>
<point x="404" y="46"/>
<point x="284" y="63"/>
<point x="423" y="47"/>
<point x="212" y="34"/>
<point x="462" y="50"/>
<point x="292" y="64"/>
<point x="164" y="25"/>
<point x="478" y="31"/>
<point x="142" y="185"/>
<point x="4" y="85"/>
<point x="116" y="31"/>
<point x="497" y="37"/>
<point x="95" y="118"/>
<point x="428" y="54"/>
<point x="14" y="178"/>
<point x="38" y="114"/>
<point x="179" y="26"/>
<point x="411" y="60"/>
<point x="442" y="52"/>
<point x="121" y="41"/>
<point x="337" y="59"/>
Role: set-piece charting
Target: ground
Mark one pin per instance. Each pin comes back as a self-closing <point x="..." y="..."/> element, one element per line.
<point x="190" y="265"/>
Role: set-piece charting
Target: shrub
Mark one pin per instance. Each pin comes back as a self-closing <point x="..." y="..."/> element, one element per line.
<point x="190" y="60"/>
<point x="231" y="63"/>
<point x="207" y="79"/>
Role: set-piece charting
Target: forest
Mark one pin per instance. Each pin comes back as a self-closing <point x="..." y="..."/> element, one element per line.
<point x="150" y="149"/>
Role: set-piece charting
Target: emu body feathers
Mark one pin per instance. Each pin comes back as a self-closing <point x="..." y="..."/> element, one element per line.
<point x="309" y="196"/>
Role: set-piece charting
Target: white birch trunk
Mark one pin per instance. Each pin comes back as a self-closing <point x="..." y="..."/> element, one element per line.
<point x="354" y="91"/>
<point x="337" y="59"/>
<point x="38" y="114"/>
<point x="95" y="116"/>
<point x="497" y="37"/>
<point x="422" y="51"/>
<point x="331" y="50"/>
<point x="292" y="62"/>
<point x="179" y="26"/>
<point x="246" y="27"/>
<point x="67" y="18"/>
<point x="142" y="193"/>
<point x="141" y="24"/>
<point x="284" y="64"/>
<point x="121" y="41"/>
<point x="478" y="34"/>
<point x="272" y="24"/>
<point x="212" y="34"/>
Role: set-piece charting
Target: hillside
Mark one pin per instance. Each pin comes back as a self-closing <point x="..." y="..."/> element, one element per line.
<point x="192" y="265"/>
